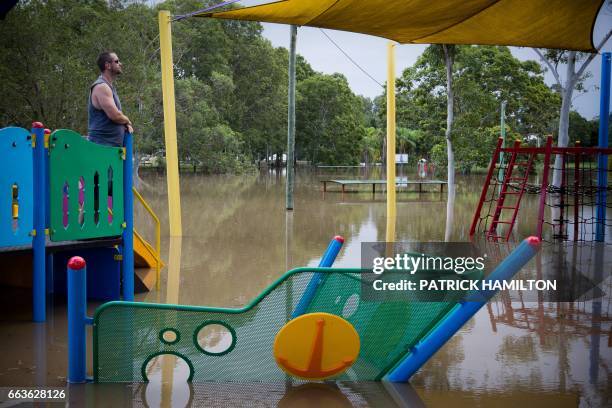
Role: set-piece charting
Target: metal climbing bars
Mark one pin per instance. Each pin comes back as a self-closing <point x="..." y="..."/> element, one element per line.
<point x="567" y="181"/>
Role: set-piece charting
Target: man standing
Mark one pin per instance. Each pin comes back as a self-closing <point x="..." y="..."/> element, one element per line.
<point x="107" y="124"/>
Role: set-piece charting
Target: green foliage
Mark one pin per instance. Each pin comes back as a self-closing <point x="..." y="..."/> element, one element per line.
<point x="408" y="140"/>
<point x="303" y="70"/>
<point x="438" y="155"/>
<point x="484" y="76"/>
<point x="372" y="145"/>
<point x="329" y="121"/>
<point x="220" y="150"/>
<point x="230" y="82"/>
<point x="231" y="89"/>
<point x="476" y="150"/>
<point x="582" y="130"/>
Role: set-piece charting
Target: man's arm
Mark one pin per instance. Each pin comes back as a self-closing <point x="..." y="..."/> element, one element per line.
<point x="103" y="95"/>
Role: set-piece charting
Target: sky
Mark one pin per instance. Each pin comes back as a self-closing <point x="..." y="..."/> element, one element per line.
<point x="371" y="54"/>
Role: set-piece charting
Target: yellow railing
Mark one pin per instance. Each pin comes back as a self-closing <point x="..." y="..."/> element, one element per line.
<point x="156" y="252"/>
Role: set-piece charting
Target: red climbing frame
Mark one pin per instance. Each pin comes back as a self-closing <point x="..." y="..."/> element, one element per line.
<point x="572" y="193"/>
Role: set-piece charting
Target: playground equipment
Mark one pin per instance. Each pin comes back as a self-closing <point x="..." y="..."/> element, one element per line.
<point x="569" y="210"/>
<point x="573" y="184"/>
<point x="316" y="346"/>
<point x="396" y="336"/>
<point x="175" y="324"/>
<point x="65" y="188"/>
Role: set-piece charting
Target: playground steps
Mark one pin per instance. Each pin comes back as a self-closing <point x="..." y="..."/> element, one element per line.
<point x="146" y="259"/>
<point x="145" y="255"/>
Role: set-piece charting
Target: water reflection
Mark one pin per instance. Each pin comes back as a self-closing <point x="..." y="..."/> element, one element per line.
<point x="290" y="394"/>
<point x="168" y="385"/>
<point x="315" y="394"/>
<point x="174" y="270"/>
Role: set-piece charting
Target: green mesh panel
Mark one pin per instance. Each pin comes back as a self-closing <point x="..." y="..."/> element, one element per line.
<point x="127" y="335"/>
<point x="70" y="158"/>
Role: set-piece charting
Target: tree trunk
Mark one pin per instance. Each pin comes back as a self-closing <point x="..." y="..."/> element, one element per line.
<point x="448" y="57"/>
<point x="450" y="213"/>
<point x="566" y="104"/>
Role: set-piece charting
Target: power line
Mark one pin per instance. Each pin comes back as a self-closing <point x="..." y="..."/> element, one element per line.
<point x="350" y="59"/>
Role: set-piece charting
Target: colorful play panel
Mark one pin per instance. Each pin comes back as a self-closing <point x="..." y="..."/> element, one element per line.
<point x="63" y="196"/>
<point x="312" y="323"/>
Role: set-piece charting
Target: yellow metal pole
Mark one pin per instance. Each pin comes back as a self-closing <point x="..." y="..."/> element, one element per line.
<point x="390" y="236"/>
<point x="172" y="165"/>
<point x="158" y="260"/>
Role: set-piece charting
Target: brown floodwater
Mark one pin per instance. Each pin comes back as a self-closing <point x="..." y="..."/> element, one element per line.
<point x="238" y="238"/>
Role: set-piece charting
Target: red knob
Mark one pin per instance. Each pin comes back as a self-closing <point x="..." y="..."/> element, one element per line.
<point x="533" y="240"/>
<point x="37" y="125"/>
<point x="339" y="238"/>
<point x="76" y="263"/>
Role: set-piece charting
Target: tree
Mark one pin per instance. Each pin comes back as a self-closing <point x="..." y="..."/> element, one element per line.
<point x="407" y="139"/>
<point x="449" y="58"/>
<point x="582" y="130"/>
<point x="432" y="82"/>
<point x="574" y="79"/>
<point x="483" y="77"/>
<point x="259" y="105"/>
<point x="372" y="145"/>
<point x="329" y="120"/>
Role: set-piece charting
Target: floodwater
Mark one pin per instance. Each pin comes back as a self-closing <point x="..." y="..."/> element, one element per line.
<point x="238" y="238"/>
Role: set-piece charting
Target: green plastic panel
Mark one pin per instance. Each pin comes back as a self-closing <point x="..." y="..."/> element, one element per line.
<point x="126" y="334"/>
<point x="79" y="188"/>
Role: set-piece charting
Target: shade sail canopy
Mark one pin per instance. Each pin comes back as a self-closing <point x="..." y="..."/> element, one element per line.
<point x="564" y="24"/>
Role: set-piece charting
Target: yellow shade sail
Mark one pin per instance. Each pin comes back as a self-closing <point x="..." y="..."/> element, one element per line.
<point x="564" y="24"/>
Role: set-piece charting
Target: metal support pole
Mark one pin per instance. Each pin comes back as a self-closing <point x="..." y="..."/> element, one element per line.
<point x="77" y="320"/>
<point x="602" y="175"/>
<point x="500" y="175"/>
<point x="326" y="261"/>
<point x="462" y="312"/>
<point x="38" y="243"/>
<point x="391" y="206"/>
<point x="128" y="231"/>
<point x="577" y="193"/>
<point x="544" y="187"/>
<point x="291" y="120"/>
<point x="172" y="165"/>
